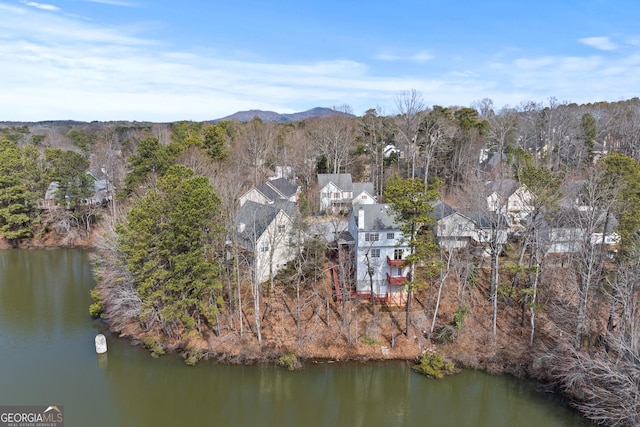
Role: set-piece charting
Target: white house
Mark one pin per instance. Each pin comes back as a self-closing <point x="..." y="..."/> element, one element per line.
<point x="378" y="255"/>
<point x="363" y="194"/>
<point x="453" y="229"/>
<point x="478" y="230"/>
<point x="266" y="234"/>
<point x="569" y="232"/>
<point x="509" y="198"/>
<point x="339" y="192"/>
<point x="270" y="191"/>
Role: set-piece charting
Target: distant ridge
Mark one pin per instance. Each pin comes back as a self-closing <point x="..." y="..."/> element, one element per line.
<point x="272" y="116"/>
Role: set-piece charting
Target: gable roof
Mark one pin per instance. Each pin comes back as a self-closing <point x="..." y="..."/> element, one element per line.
<point x="359" y="187"/>
<point x="275" y="189"/>
<point x="576" y="218"/>
<point x="253" y="219"/>
<point x="483" y="219"/>
<point x="502" y="187"/>
<point x="283" y="187"/>
<point x="341" y="180"/>
<point x="267" y="191"/>
<point x="442" y="210"/>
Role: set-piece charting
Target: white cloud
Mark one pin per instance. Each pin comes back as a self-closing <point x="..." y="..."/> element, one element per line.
<point x="56" y="67"/>
<point x="600" y="43"/>
<point x="41" y="6"/>
<point x="27" y="24"/>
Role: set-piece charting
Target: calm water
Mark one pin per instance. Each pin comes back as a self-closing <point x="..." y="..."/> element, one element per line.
<point x="47" y="357"/>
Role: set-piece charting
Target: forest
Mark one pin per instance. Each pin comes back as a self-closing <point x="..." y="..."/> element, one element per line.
<point x="157" y="202"/>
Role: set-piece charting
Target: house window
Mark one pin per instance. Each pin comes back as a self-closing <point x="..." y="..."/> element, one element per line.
<point x="264" y="247"/>
<point x="281" y="228"/>
<point x="390" y="236"/>
<point x="336" y="196"/>
<point x="397" y="253"/>
<point x="460" y="227"/>
<point x="371" y="237"/>
<point x="375" y="253"/>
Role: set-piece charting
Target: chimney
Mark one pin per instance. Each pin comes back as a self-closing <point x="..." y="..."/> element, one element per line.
<point x="361" y="219"/>
<point x="241" y="227"/>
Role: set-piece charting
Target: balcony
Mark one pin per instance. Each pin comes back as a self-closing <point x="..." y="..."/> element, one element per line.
<point x="395" y="262"/>
<point x="397" y="280"/>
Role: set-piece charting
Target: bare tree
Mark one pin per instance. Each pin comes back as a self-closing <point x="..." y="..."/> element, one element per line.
<point x="374" y="133"/>
<point x="605" y="385"/>
<point x="334" y="137"/>
<point x="410" y="106"/>
<point x="437" y="130"/>
<point x="108" y="157"/>
<point x="256" y="139"/>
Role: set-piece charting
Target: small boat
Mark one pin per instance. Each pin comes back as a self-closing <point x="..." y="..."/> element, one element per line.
<point x="101" y="344"/>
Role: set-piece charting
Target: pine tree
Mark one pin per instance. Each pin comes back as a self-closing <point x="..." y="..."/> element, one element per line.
<point x="411" y="201"/>
<point x="167" y="247"/>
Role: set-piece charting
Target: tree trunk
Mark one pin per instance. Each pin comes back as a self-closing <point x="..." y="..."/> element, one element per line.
<point x="443" y="278"/>
<point x="408" y="312"/>
<point x="494" y="291"/>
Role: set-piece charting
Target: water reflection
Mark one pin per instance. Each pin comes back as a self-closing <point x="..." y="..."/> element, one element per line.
<point x="48" y="356"/>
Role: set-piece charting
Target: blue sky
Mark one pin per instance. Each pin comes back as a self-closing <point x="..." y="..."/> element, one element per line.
<point x="195" y="60"/>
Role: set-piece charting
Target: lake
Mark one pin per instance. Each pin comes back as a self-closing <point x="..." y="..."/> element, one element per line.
<point x="48" y="357"/>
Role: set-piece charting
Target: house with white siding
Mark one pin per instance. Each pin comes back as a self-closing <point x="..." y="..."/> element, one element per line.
<point x="378" y="252"/>
<point x="509" y="198"/>
<point x="456" y="229"/>
<point x="338" y="192"/>
<point x="575" y="229"/>
<point x="266" y="235"/>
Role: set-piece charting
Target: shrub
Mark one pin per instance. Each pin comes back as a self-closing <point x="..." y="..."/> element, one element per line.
<point x="192" y="356"/>
<point x="290" y="361"/>
<point x="433" y="365"/>
<point x="460" y="315"/>
<point x="369" y="341"/>
<point x="154" y="345"/>
<point x="96" y="308"/>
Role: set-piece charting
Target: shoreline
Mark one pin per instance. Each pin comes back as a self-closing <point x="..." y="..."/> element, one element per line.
<point x="509" y="355"/>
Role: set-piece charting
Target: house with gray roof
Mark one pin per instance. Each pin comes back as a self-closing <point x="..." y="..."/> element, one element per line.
<point x="509" y="198"/>
<point x="266" y="235"/>
<point x="270" y="191"/>
<point x="378" y="252"/>
<point x="338" y="192"/>
<point x="477" y="231"/>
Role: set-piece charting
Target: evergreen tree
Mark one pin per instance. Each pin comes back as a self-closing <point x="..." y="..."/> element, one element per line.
<point x="151" y="158"/>
<point x="17" y="200"/>
<point x="411" y="202"/>
<point x="215" y="141"/>
<point x="167" y="247"/>
<point x="69" y="169"/>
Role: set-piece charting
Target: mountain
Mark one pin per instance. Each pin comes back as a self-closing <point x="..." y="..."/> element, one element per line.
<point x="272" y="116"/>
